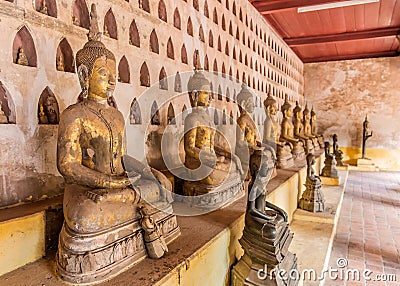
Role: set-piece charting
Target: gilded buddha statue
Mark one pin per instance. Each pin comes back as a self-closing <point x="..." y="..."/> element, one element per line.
<point x="213" y="171"/>
<point x="299" y="129"/>
<point x="314" y="128"/>
<point x="284" y="157"/>
<point x="287" y="132"/>
<point x="248" y="143"/>
<point x="307" y="128"/>
<point x="115" y="212"/>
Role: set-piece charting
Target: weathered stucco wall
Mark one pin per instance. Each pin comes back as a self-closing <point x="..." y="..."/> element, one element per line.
<point x="237" y="40"/>
<point x="343" y="92"/>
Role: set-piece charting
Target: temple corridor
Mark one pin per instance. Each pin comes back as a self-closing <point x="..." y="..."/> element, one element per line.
<point x="368" y="230"/>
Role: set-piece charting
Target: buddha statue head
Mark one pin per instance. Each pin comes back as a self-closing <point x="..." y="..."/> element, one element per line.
<point x="297" y="111"/>
<point x="245" y="99"/>
<point x="270" y="105"/>
<point x="198" y="86"/>
<point x="286" y="108"/>
<point x="96" y="65"/>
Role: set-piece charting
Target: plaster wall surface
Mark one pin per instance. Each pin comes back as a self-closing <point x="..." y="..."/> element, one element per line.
<point x="251" y="50"/>
<point x="344" y="92"/>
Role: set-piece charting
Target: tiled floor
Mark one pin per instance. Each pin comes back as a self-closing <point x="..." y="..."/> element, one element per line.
<point x="368" y="231"/>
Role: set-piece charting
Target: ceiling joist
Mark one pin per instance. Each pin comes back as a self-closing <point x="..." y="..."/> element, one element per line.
<point x="269" y="7"/>
<point x="351" y="57"/>
<point x="350" y="36"/>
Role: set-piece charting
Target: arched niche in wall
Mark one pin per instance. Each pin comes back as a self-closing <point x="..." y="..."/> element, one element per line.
<point x="219" y="93"/>
<point x="80" y="14"/>
<point x="231" y="120"/>
<point x="154" y="42"/>
<point x="155" y="114"/>
<point x="178" y="83"/>
<point x="144" y="5"/>
<point x="134" y="38"/>
<point x="184" y="58"/>
<point x="170" y="49"/>
<point x="215" y="66"/>
<point x="224" y="117"/>
<point x="219" y="44"/>
<point x="162" y="11"/>
<point x="206" y="13"/>
<point x="124" y="74"/>
<point x="135" y="115"/>
<point x="223" y="70"/>
<point x="171" y="114"/>
<point x="237" y="34"/>
<point x="201" y="34"/>
<point x="216" y="117"/>
<point x="230" y="29"/>
<point x="244" y="38"/>
<point x="234" y="53"/>
<point x="144" y="75"/>
<point x="7" y="107"/>
<point x="234" y="8"/>
<point x="184" y="113"/>
<point x="65" y="57"/>
<point x="227" y="48"/>
<point x="228" y="96"/>
<point x="227" y="4"/>
<point x="206" y="64"/>
<point x="48" y="111"/>
<point x="177" y="19"/>
<point x="48" y="7"/>
<point x="189" y="28"/>
<point x="240" y="14"/>
<point x="110" y="25"/>
<point x="215" y="16"/>
<point x="163" y="80"/>
<point x="24" y="51"/>
<point x="223" y="22"/>
<point x="210" y="39"/>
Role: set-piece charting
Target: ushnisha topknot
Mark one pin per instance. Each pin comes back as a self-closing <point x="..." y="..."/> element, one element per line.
<point x="198" y="82"/>
<point x="306" y="111"/>
<point x="269" y="101"/>
<point x="297" y="108"/>
<point x="94" y="48"/>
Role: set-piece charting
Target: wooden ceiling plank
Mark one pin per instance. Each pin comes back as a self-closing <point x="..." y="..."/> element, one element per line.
<point x="351" y="57"/>
<point x="350" y="36"/>
<point x="386" y="12"/>
<point x="349" y="19"/>
<point x="396" y="14"/>
<point x="275" y="24"/>
<point x="359" y="17"/>
<point x="371" y="15"/>
<point x="338" y="19"/>
<point x="269" y="7"/>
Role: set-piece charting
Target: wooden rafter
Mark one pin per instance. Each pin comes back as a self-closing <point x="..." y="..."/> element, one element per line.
<point x="351" y="57"/>
<point x="269" y="7"/>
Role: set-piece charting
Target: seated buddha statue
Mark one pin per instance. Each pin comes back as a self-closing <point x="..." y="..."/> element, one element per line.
<point x="307" y="128"/>
<point x="213" y="171"/>
<point x="299" y="129"/>
<point x="287" y="132"/>
<point x="314" y="128"/>
<point x="247" y="138"/>
<point x="284" y="158"/>
<point x="115" y="210"/>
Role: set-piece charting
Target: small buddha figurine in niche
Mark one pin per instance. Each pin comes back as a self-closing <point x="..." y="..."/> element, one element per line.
<point x="52" y="110"/>
<point x="215" y="171"/>
<point x="314" y="128"/>
<point x="338" y="153"/>
<point x="307" y="128"/>
<point x="329" y="169"/>
<point x="60" y="62"/>
<point x="266" y="235"/>
<point x="299" y="129"/>
<point x="287" y="132"/>
<point x="367" y="133"/>
<point x="21" y="57"/>
<point x="42" y="115"/>
<point x="76" y="21"/>
<point x="3" y="117"/>
<point x="247" y="141"/>
<point x="43" y="9"/>
<point x="272" y="135"/>
<point x="312" y="199"/>
<point x="115" y="212"/>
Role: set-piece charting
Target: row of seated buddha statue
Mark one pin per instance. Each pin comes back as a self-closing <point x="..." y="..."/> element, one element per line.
<point x="118" y="210"/>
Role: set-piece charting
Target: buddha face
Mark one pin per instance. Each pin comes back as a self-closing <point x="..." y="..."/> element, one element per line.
<point x="203" y="98"/>
<point x="271" y="110"/>
<point x="307" y="117"/>
<point x="299" y="115"/>
<point x="102" y="80"/>
<point x="287" y="113"/>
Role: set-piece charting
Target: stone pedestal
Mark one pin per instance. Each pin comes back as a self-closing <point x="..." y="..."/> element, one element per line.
<point x="329" y="169"/>
<point x="298" y="154"/>
<point x="265" y="254"/>
<point x="312" y="199"/>
<point x="330" y="181"/>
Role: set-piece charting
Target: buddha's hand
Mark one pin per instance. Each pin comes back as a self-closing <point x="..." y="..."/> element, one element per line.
<point x="97" y="195"/>
<point x="117" y="195"/>
<point x="208" y="157"/>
